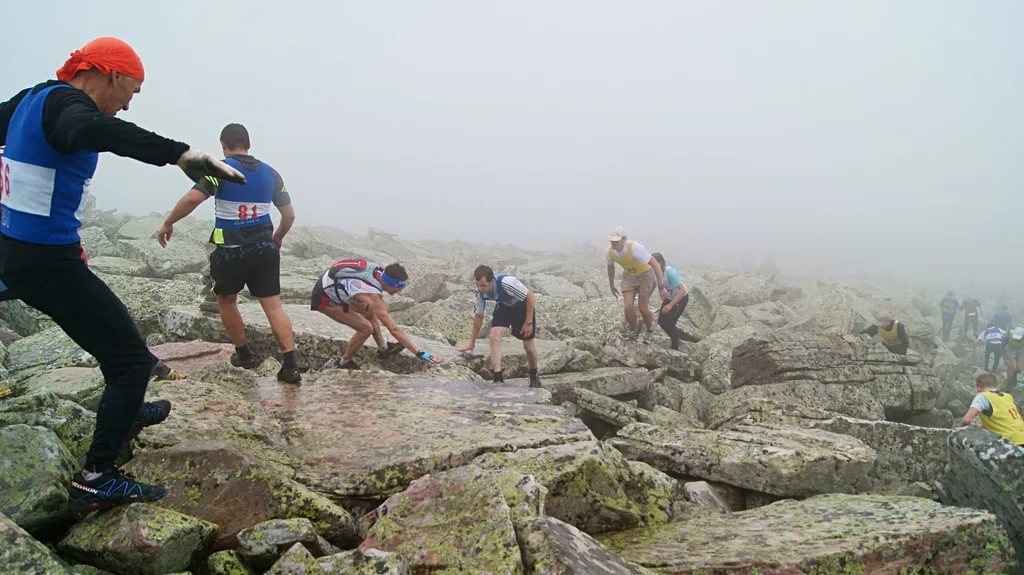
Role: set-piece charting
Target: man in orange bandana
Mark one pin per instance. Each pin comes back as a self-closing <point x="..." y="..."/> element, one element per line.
<point x="52" y="135"/>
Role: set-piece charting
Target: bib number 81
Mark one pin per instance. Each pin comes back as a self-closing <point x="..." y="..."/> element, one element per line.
<point x="247" y="213"/>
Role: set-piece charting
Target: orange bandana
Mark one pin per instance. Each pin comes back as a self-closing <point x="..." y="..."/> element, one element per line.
<point x="106" y="55"/>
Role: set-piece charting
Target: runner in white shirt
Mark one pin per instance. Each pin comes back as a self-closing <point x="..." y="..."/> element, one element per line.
<point x="514" y="310"/>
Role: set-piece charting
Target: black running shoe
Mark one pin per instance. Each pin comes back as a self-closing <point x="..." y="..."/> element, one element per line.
<point x="153" y="412"/>
<point x="350" y="364"/>
<point x="113" y="487"/>
<point x="392" y="348"/>
<point x="534" y="380"/>
<point x="248" y="362"/>
<point x="289" y="375"/>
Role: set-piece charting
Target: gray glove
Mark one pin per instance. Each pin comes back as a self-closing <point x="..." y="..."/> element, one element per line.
<point x="197" y="165"/>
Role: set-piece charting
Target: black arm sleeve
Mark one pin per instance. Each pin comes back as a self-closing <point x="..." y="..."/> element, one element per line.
<point x="7" y="111"/>
<point x="281" y="197"/>
<point x="901" y="332"/>
<point x="871" y="330"/>
<point x="72" y="123"/>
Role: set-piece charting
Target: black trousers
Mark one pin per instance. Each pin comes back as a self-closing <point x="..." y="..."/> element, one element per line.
<point x="56" y="281"/>
<point x="947" y="325"/>
<point x="668" y="321"/>
<point x="997" y="350"/>
<point x="971" y="323"/>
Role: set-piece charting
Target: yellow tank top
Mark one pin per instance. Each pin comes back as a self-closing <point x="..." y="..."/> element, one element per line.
<point x="891" y="336"/>
<point x="1005" y="419"/>
<point x="630" y="264"/>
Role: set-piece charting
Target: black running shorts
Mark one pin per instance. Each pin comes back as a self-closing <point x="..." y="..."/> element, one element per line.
<point x="257" y="266"/>
<point x="512" y="317"/>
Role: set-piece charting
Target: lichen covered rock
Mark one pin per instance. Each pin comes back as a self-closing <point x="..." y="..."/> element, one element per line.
<point x="777" y="460"/>
<point x="590" y="485"/>
<point x="140" y="538"/>
<point x="456" y="521"/>
<point x="552" y="547"/>
<point x="218" y="482"/>
<point x="35" y="470"/>
<point x="987" y="472"/>
<point x="72" y="423"/>
<point x="827" y="534"/>
<point x="364" y="562"/>
<point x="21" y="554"/>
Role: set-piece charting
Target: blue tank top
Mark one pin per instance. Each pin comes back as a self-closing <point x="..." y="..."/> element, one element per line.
<point x="242" y="207"/>
<point x="499" y="295"/>
<point x="44" y="190"/>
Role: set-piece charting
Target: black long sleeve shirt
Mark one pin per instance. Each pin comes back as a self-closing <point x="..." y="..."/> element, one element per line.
<point x="73" y="123"/>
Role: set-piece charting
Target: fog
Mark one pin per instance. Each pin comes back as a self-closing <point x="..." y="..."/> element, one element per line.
<point x="867" y="137"/>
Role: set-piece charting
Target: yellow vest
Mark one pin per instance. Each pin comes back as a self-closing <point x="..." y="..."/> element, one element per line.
<point x="891" y="336"/>
<point x="630" y="264"/>
<point x="1005" y="419"/>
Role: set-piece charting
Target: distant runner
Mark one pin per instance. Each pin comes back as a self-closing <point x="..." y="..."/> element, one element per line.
<point x="894" y="334"/>
<point x="972" y="311"/>
<point x="1013" y="355"/>
<point x="1002" y="318"/>
<point x="640" y="273"/>
<point x="673" y="306"/>
<point x="994" y="339"/>
<point x="949" y="306"/>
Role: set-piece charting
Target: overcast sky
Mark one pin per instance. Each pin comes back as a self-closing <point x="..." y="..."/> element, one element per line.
<point x="850" y="136"/>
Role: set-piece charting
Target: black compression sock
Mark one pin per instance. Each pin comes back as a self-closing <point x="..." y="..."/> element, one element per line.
<point x="244" y="351"/>
<point x="533" y="372"/>
<point x="499" y="377"/>
<point x="290" y="359"/>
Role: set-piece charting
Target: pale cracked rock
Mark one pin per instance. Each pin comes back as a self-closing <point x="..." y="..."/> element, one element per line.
<point x="552" y="547"/>
<point x="35" y="469"/>
<point x="826" y="534"/>
<point x="776" y="460"/>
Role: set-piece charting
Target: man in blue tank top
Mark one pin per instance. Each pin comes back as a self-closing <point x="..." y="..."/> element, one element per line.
<point x="52" y="135"/>
<point x="514" y="310"/>
<point x="246" y="252"/>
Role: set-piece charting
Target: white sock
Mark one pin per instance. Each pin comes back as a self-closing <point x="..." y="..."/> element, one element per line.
<point x="90" y="475"/>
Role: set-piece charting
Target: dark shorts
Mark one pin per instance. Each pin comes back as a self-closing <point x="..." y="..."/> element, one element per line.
<point x="512" y="317"/>
<point x="257" y="266"/>
<point x="319" y="300"/>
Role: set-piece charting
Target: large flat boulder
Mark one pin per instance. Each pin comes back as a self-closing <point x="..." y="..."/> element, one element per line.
<point x="609" y="381"/>
<point x="318" y="338"/>
<point x="553" y="547"/>
<point x="909" y="458"/>
<point x="148" y="298"/>
<point x="82" y="385"/>
<point x="553" y="356"/>
<point x="826" y="534"/>
<point x="218" y="482"/>
<point x="47" y="349"/>
<point x="987" y="472"/>
<point x="140" y="538"/>
<point x="554" y="286"/>
<point x="72" y="423"/>
<point x="456" y="521"/>
<point x="189" y="357"/>
<point x="590" y="485"/>
<point x="35" y="470"/>
<point x="324" y="429"/>
<point x="840" y="373"/>
<point x="714" y="355"/>
<point x="20" y="553"/>
<point x="778" y="460"/>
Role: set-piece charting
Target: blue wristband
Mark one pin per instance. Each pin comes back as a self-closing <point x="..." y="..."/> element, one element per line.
<point x="424" y="356"/>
